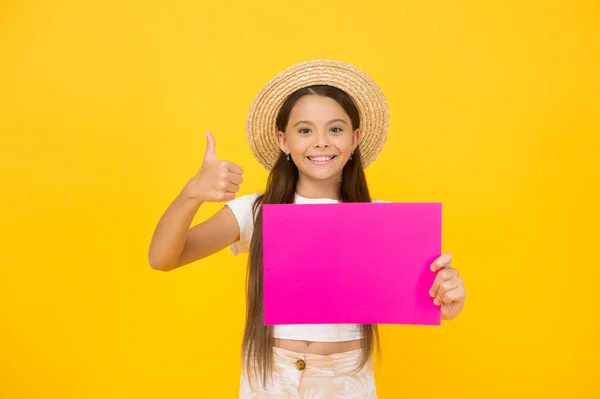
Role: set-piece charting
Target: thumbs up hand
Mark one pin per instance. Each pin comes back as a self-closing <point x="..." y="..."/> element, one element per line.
<point x="216" y="180"/>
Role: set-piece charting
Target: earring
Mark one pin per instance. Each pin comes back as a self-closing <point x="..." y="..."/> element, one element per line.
<point x="288" y="158"/>
<point x="352" y="153"/>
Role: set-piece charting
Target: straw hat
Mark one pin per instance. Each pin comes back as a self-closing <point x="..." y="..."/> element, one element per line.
<point x="261" y="129"/>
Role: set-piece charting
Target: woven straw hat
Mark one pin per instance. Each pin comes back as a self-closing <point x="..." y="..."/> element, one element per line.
<point x="261" y="129"/>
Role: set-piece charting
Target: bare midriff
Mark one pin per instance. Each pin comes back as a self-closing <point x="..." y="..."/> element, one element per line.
<point x="317" y="348"/>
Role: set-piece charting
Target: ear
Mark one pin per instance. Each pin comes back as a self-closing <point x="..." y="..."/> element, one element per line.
<point x="355" y="139"/>
<point x="283" y="142"/>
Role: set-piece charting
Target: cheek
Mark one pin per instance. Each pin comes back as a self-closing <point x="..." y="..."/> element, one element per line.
<point x="293" y="147"/>
<point x="297" y="145"/>
<point x="344" y="144"/>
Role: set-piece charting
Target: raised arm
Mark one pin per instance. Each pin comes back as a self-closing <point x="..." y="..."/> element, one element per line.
<point x="174" y="243"/>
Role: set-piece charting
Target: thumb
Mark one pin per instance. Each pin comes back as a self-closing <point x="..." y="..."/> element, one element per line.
<point x="209" y="154"/>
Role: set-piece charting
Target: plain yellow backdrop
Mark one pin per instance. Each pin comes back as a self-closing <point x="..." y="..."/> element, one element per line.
<point x="103" y="108"/>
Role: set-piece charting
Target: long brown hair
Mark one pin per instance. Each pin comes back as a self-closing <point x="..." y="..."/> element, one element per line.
<point x="257" y="343"/>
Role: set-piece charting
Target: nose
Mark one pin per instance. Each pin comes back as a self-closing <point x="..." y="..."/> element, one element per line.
<point x="321" y="140"/>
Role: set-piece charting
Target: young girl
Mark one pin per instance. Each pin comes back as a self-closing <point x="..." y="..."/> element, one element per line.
<point x="315" y="126"/>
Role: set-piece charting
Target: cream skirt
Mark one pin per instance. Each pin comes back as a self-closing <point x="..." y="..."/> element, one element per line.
<point x="308" y="376"/>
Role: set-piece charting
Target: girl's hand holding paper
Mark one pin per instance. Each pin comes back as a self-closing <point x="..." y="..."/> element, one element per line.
<point x="448" y="288"/>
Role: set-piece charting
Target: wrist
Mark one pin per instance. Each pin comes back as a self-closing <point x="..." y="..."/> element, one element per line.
<point x="189" y="200"/>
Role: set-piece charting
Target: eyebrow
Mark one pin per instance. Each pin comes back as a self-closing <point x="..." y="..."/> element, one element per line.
<point x="330" y="122"/>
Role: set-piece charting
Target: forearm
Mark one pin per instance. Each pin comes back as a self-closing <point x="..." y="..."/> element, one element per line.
<point x="171" y="231"/>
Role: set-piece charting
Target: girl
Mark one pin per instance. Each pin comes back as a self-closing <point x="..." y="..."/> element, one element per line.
<point x="315" y="126"/>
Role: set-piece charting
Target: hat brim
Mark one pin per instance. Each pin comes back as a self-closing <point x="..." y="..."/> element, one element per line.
<point x="261" y="128"/>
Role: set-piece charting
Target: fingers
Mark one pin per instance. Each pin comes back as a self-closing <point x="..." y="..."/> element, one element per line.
<point x="210" y="152"/>
<point x="235" y="178"/>
<point x="231" y="172"/>
<point x="222" y="178"/>
<point x="445" y="290"/>
<point x="227" y="192"/>
<point x="451" y="310"/>
<point x="234" y="168"/>
<point x="456" y="294"/>
<point x="229" y="181"/>
<point x="442" y="262"/>
<point x="231" y="188"/>
<point x="227" y="196"/>
<point x="442" y="277"/>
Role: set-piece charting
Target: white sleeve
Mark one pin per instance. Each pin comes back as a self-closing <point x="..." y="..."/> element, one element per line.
<point x="242" y="209"/>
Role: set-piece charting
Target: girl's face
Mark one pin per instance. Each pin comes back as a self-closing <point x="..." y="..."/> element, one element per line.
<point x="319" y="138"/>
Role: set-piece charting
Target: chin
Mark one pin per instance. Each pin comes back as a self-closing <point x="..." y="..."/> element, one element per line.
<point x="322" y="174"/>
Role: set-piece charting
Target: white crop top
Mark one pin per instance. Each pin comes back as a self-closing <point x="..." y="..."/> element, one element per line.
<point x="242" y="209"/>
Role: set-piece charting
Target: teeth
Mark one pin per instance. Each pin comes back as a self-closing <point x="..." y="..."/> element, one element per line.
<point x="320" y="159"/>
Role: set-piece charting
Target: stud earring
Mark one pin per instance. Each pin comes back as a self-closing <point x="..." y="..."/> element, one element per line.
<point x="352" y="153"/>
<point x="288" y="158"/>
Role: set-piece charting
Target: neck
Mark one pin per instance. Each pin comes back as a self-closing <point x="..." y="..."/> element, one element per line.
<point x="310" y="188"/>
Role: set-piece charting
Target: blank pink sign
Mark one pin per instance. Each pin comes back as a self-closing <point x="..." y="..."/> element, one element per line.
<point x="350" y="263"/>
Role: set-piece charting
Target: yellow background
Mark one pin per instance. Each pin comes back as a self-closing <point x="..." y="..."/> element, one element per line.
<point x="103" y="109"/>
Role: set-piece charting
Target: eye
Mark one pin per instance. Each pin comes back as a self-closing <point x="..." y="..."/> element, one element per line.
<point x="304" y="130"/>
<point x="339" y="129"/>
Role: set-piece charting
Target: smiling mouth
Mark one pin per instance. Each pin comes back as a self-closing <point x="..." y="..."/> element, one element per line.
<point x="321" y="159"/>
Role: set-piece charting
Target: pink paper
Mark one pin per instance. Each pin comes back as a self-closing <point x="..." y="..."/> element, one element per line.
<point x="355" y="263"/>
